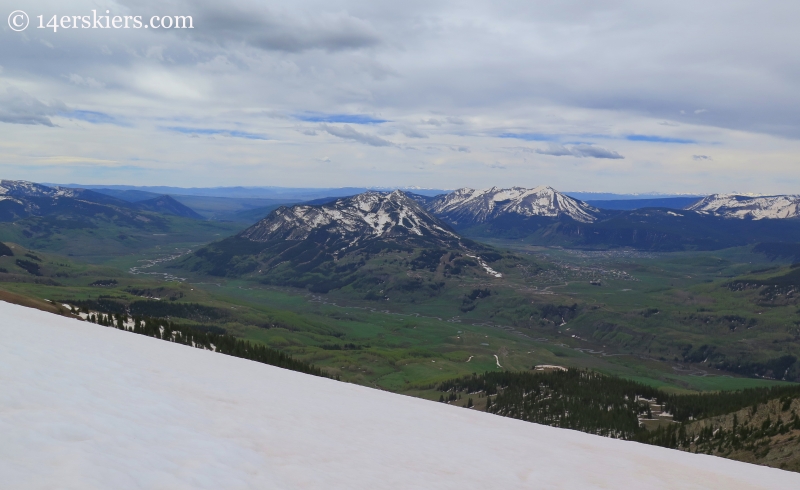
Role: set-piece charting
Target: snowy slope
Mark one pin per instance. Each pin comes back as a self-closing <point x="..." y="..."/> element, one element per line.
<point x="364" y="216"/>
<point x="87" y="407"/>
<point x="22" y="188"/>
<point x="747" y="207"/>
<point x="470" y="206"/>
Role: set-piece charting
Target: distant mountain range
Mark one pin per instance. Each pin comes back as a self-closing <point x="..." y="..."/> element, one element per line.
<point x="541" y="215"/>
<point x="21" y="199"/>
<point x="266" y="192"/>
<point x="547" y="217"/>
<point x="465" y="207"/>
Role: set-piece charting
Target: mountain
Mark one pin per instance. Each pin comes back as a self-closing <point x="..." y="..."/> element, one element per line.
<point x="610" y="196"/>
<point x="631" y="204"/>
<point x="747" y="207"/>
<point x="86" y="223"/>
<point x="21" y="199"/>
<point x="653" y="229"/>
<point x="283" y="193"/>
<point x="167" y="205"/>
<point x="354" y="221"/>
<point x="332" y="245"/>
<point x="466" y="207"/>
<point x="127" y="195"/>
<point x="544" y="216"/>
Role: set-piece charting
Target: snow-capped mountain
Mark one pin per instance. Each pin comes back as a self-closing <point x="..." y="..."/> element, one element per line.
<point x="471" y="206"/>
<point x="14" y="191"/>
<point x="748" y="207"/>
<point x="22" y="188"/>
<point x="354" y="219"/>
<point x="20" y="199"/>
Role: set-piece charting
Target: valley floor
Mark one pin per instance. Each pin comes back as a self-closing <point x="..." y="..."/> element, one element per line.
<point x="83" y="406"/>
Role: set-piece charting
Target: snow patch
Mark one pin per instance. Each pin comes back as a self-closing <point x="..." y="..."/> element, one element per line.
<point x="89" y="407"/>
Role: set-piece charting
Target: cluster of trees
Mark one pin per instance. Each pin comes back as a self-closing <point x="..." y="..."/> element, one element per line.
<point x="428" y="259"/>
<point x="162" y="309"/>
<point x="104" y="282"/>
<point x="689" y="407"/>
<point x="30" y="267"/>
<point x="775" y="250"/>
<point x="747" y="435"/>
<point x="611" y="406"/>
<point x="348" y="346"/>
<point x="103" y="304"/>
<point x="204" y="337"/>
<point x="574" y="399"/>
<point x="5" y="251"/>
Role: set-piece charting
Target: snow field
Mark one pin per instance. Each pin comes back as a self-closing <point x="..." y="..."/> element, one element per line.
<point x="84" y="406"/>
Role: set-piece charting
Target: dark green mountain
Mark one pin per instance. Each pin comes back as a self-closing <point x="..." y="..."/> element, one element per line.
<point x="167" y="205"/>
<point x="327" y="247"/>
<point x="654" y="229"/>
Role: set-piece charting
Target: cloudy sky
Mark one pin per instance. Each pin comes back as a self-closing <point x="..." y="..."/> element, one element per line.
<point x="610" y="95"/>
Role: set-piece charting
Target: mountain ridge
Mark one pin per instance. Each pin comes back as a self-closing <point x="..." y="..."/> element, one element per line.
<point x="785" y="206"/>
<point x="21" y="199"/>
<point x="361" y="217"/>
<point x="468" y="206"/>
<point x="325" y="247"/>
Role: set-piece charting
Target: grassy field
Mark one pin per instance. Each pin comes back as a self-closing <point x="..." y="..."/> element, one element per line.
<point x="410" y="322"/>
<point x="544" y="310"/>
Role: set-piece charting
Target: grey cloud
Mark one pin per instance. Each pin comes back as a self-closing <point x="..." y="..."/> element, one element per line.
<point x="413" y="133"/>
<point x="293" y="33"/>
<point x="581" y="151"/>
<point x="701" y="157"/>
<point x="18" y="107"/>
<point x="594" y="152"/>
<point x="439" y="122"/>
<point x="555" y="150"/>
<point x="348" y="133"/>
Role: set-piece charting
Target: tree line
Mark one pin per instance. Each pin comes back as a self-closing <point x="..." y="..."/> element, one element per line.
<point x="605" y="405"/>
<point x="204" y="337"/>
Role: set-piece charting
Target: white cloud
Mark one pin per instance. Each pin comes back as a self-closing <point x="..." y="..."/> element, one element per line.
<point x="86" y="82"/>
<point x="461" y="74"/>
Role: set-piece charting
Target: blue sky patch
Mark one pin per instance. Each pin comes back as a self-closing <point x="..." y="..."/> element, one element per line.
<point x="94" y="117"/>
<point x="339" y="118"/>
<point x="659" y="139"/>
<point x="529" y="136"/>
<point x="220" y="132"/>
